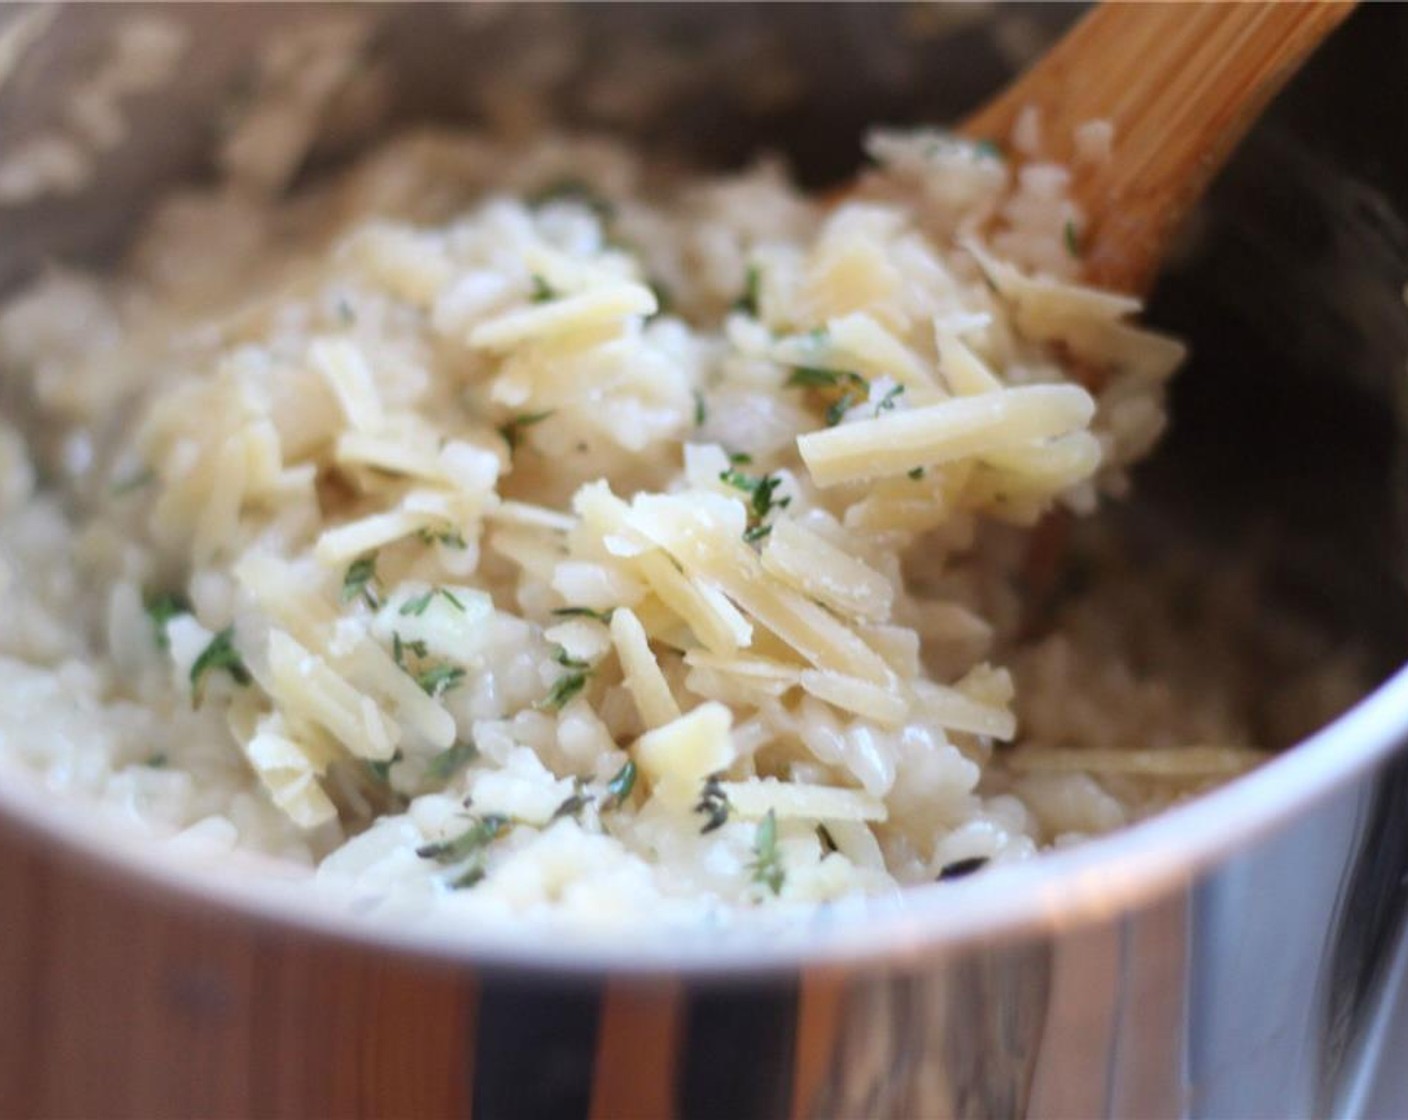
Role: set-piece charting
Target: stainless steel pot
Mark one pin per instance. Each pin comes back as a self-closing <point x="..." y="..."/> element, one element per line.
<point x="1243" y="955"/>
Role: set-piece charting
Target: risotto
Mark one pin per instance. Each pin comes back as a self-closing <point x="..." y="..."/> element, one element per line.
<point x="537" y="531"/>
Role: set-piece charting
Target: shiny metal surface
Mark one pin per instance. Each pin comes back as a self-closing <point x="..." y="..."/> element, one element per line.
<point x="1240" y="956"/>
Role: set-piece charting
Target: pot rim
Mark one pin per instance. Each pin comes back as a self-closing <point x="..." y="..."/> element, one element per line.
<point x="1060" y="889"/>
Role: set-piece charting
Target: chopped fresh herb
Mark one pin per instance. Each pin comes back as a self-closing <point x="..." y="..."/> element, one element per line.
<point x="563" y="658"/>
<point x="701" y="410"/>
<point x="1072" y="239"/>
<point x="916" y="473"/>
<point x="361" y="580"/>
<point x="470" y="848"/>
<point x="380" y="768"/>
<point x="345" y="313"/>
<point x="618" y="789"/>
<point x="887" y="402"/>
<point x="713" y="804"/>
<point x="451" y="761"/>
<point x="417" y="605"/>
<point x="962" y="867"/>
<point x="828" y="842"/>
<point x="450" y="538"/>
<point x="740" y="458"/>
<point x="837" y="409"/>
<point x="762" y="500"/>
<point x="220" y="654"/>
<point x="542" y="290"/>
<point x="564" y="690"/>
<point x="436" y="680"/>
<point x="161" y="609"/>
<point x="767" y="866"/>
<point x="748" y="301"/>
<point x="809" y="377"/>
<point x="573" y="805"/>
<point x="144" y="477"/>
<point x="156" y="761"/>
<point x="571" y="189"/>
<point x="513" y="430"/>
<point x="990" y="148"/>
<point x="400" y="648"/>
<point x="582" y="612"/>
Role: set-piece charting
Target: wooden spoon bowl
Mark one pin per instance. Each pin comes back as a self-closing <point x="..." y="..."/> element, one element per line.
<point x="1181" y="83"/>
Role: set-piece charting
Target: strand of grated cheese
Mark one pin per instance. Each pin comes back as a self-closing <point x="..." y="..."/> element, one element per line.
<point x="897" y="443"/>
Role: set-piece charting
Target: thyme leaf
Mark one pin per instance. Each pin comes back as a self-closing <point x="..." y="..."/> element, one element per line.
<point x="701" y="409"/>
<point x="380" y="768"/>
<point x="583" y="612"/>
<point x="542" y="290"/>
<point x="767" y="866"/>
<point x="748" y="301"/>
<point x="960" y="868"/>
<point x="573" y="805"/>
<point x="810" y="377"/>
<point x="512" y="431"/>
<point x="436" y="680"/>
<point x="887" y="402"/>
<point x="713" y="804"/>
<point x="916" y="473"/>
<point x="451" y="761"/>
<point x="219" y="655"/>
<point x="1072" y="239"/>
<point x="567" y="686"/>
<point x="618" y="789"/>
<point x="361" y="581"/>
<point x="470" y="848"/>
<point x="161" y="609"/>
<point x="417" y="605"/>
<point x="450" y="538"/>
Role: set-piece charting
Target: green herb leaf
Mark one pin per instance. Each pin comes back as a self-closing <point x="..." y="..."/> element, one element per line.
<point x="748" y="301"/>
<point x="961" y="868"/>
<point x="361" y="580"/>
<point x="583" y="612"/>
<point x="755" y="533"/>
<point x="417" y="605"/>
<point x="400" y="648"/>
<point x="767" y="866"/>
<point x="837" y="409"/>
<point x="989" y="148"/>
<point x="701" y="409"/>
<point x="436" y="680"/>
<point x="1072" y="239"/>
<point x="828" y="842"/>
<point x="618" y="789"/>
<point x="450" y="538"/>
<point x="561" y="656"/>
<point x="887" y="402"/>
<point x="809" y="377"/>
<point x="513" y="430"/>
<point x="451" y="761"/>
<point x="380" y="768"/>
<point x="713" y="804"/>
<point x="542" y="290"/>
<point x="573" y="805"/>
<point x="156" y="761"/>
<point x="219" y="655"/>
<point x="762" y="500"/>
<point x="740" y="458"/>
<point x="916" y="473"/>
<point x="470" y="848"/>
<point x="564" y="690"/>
<point x="161" y="609"/>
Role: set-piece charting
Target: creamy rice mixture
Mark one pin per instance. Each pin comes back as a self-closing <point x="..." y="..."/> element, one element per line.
<point x="535" y="531"/>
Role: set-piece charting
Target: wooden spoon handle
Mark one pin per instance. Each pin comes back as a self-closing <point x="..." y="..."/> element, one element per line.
<point x="1182" y="83"/>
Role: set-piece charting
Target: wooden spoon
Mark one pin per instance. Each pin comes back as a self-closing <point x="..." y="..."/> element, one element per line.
<point x="1181" y="83"/>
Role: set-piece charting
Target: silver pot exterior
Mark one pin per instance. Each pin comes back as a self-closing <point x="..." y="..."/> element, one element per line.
<point x="1261" y="980"/>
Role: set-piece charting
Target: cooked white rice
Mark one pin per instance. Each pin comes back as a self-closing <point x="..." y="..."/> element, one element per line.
<point x="527" y="530"/>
